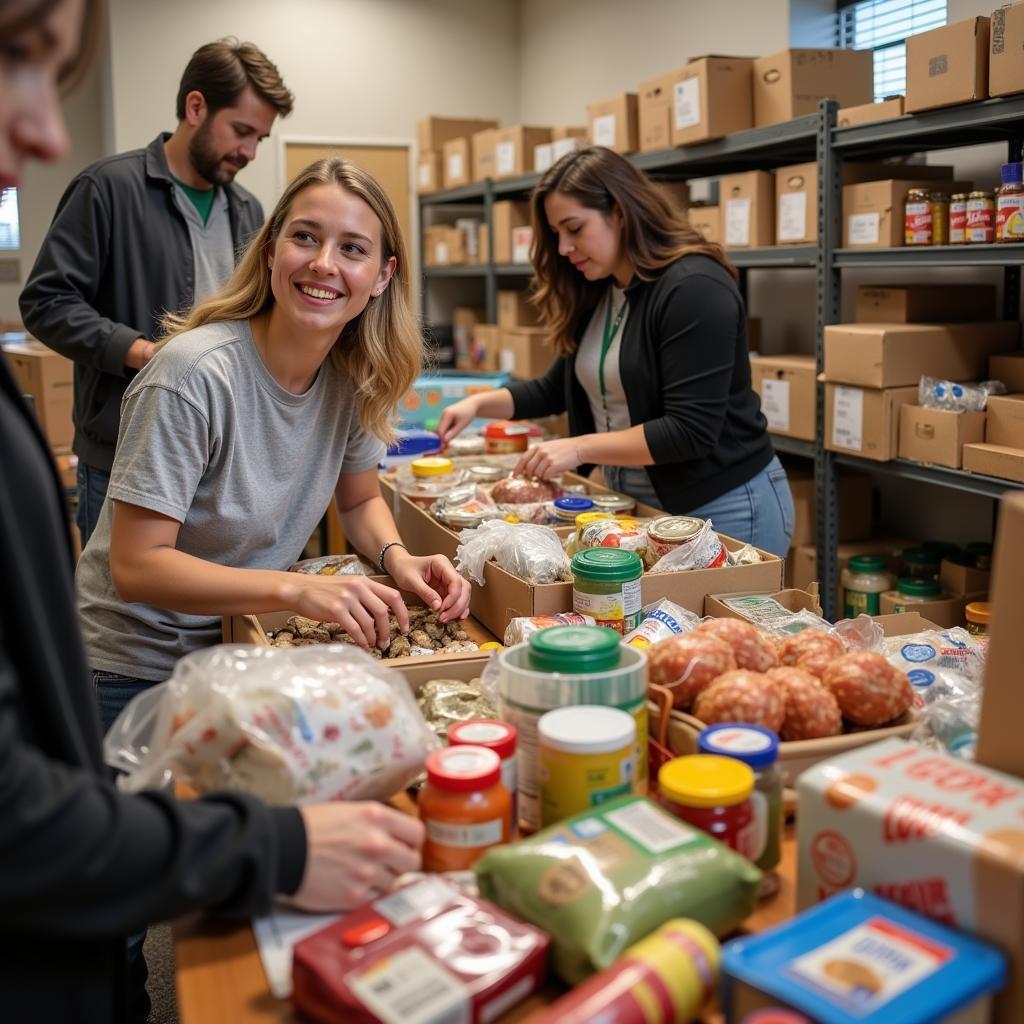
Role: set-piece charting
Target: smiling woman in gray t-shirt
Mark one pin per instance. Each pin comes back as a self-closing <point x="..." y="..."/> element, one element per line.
<point x="266" y="399"/>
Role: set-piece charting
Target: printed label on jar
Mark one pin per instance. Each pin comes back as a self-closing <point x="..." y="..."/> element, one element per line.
<point x="468" y="837"/>
<point x="857" y="602"/>
<point x="619" y="611"/>
<point x="754" y="838"/>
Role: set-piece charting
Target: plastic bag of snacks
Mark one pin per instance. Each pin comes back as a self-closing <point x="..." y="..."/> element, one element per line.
<point x="923" y="653"/>
<point x="602" y="880"/>
<point x="659" y="621"/>
<point x="295" y="725"/>
<point x="952" y="396"/>
<point x="533" y="553"/>
<point x="703" y="551"/>
<point x="521" y="628"/>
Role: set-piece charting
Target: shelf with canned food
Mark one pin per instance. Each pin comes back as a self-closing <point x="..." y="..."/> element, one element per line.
<point x="992" y="255"/>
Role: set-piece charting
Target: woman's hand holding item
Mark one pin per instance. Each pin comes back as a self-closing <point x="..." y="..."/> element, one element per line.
<point x="546" y="460"/>
<point x="455" y="418"/>
<point x="434" y="580"/>
<point x="361" y="605"/>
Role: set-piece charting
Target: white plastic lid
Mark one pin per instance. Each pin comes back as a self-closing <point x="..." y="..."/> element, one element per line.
<point x="483" y="732"/>
<point x="587" y="729"/>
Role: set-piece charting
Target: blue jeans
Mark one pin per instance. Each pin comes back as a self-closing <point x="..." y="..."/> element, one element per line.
<point x="91" y="486"/>
<point x="113" y="692"/>
<point x="759" y="512"/>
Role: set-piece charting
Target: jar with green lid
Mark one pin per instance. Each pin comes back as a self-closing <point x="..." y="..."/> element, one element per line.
<point x="865" y="579"/>
<point x="977" y="615"/>
<point x="920" y="564"/>
<point x="561" y="667"/>
<point x="980" y="553"/>
<point x="910" y="591"/>
<point x="606" y="585"/>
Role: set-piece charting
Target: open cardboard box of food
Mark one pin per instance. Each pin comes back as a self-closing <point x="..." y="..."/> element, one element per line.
<point x="796" y="756"/>
<point x="252" y="629"/>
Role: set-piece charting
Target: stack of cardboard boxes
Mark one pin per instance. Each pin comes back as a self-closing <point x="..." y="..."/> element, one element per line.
<point x="514" y="345"/>
<point x="445" y="151"/>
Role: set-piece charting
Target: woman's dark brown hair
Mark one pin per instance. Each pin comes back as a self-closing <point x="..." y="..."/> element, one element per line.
<point x="654" y="235"/>
<point x="19" y="17"/>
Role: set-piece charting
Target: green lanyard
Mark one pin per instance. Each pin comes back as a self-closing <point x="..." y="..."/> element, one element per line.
<point x="610" y="330"/>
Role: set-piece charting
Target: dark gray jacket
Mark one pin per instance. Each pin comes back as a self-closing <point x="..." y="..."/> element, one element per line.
<point x="116" y="258"/>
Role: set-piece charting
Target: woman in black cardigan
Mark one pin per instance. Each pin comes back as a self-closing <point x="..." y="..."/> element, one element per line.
<point x="653" y="368"/>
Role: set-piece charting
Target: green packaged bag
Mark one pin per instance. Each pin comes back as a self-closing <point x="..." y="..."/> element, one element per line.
<point x="604" y="879"/>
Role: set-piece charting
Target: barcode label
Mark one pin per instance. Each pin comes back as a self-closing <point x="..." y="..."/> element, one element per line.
<point x="653" y="829"/>
<point x="415" y="902"/>
<point x="411" y="988"/>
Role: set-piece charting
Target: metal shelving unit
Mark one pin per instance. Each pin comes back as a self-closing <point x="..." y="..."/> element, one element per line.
<point x="794" y="446"/>
<point x="956" y="479"/>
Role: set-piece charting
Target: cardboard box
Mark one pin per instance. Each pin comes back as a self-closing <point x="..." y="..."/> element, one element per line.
<point x="948" y="65"/>
<point x="791" y="83"/>
<point x="513" y="149"/>
<point x="711" y="97"/>
<point x="855" y="500"/>
<point x="444" y="246"/>
<point x="507" y="215"/>
<point x="563" y="141"/>
<point x="48" y="378"/>
<point x="515" y="309"/>
<point x="614" y="123"/>
<point x="522" y="243"/>
<point x="748" y="210"/>
<point x="433" y="132"/>
<point x="963" y="580"/>
<point x="995" y="460"/>
<point x="864" y="422"/>
<point x="937" y="436"/>
<point x="465" y="320"/>
<point x="483" y="241"/>
<point x="654" y="112"/>
<point x="892" y="355"/>
<point x="1006" y="51"/>
<point x="999" y="744"/>
<point x="457" y="163"/>
<point x="428" y="173"/>
<point x="1005" y="424"/>
<point x="1009" y="369"/>
<point x="525" y="352"/>
<point x="792" y="600"/>
<point x="564" y="132"/>
<point x="804" y="560"/>
<point x="487" y="348"/>
<point x="788" y="389"/>
<point x="935" y="833"/>
<point x="482" y="145"/>
<point x="945" y="611"/>
<point x="707" y="220"/>
<point x="873" y="211"/>
<point x="869" y="113"/>
<point x="924" y="303"/>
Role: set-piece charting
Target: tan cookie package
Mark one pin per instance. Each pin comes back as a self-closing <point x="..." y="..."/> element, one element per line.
<point x="938" y="835"/>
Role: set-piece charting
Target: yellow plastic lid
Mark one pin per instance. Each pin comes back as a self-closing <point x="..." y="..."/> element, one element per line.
<point x="586" y="518"/>
<point x="432" y="465"/>
<point x="978" y="612"/>
<point x="706" y="780"/>
<point x="491" y="645"/>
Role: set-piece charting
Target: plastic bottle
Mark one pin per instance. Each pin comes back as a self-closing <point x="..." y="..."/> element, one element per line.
<point x="1010" y="204"/>
<point x="499" y="737"/>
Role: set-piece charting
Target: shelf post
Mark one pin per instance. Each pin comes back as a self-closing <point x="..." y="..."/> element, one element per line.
<point x="491" y="276"/>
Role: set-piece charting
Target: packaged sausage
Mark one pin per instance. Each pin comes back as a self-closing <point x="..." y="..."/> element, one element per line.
<point x="933" y="833"/>
<point x="521" y="628"/>
<point x="424" y="954"/>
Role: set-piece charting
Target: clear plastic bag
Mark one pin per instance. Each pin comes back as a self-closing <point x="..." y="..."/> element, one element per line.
<point x="522" y="627"/>
<point x="659" y="621"/>
<point x="923" y="654"/>
<point x="297" y="725"/>
<point x="334" y="565"/>
<point x="934" y="393"/>
<point x="949" y="711"/>
<point x="703" y="551"/>
<point x="533" y="553"/>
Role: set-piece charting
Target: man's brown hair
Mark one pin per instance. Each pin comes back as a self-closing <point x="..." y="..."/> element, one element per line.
<point x="222" y="70"/>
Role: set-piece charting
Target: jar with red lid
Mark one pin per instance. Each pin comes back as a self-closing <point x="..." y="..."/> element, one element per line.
<point x="712" y="793"/>
<point x="504" y="438"/>
<point x="501" y="738"/>
<point x="464" y="807"/>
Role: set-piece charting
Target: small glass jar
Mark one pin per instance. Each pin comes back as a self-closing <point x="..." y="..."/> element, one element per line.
<point x="464" y="806"/>
<point x="920" y="564"/>
<point x="713" y="794"/>
<point x="980" y="228"/>
<point x="567" y="508"/>
<point x="499" y="737"/>
<point x="485" y="474"/>
<point x="864" y="580"/>
<point x="958" y="218"/>
<point x="432" y="477"/>
<point x="917" y="218"/>
<point x="939" y="203"/>
<point x="977" y="615"/>
<point x="606" y="585"/>
<point x="466" y="445"/>
<point x="909" y="592"/>
<point x="504" y="438"/>
<point x="1010" y="204"/>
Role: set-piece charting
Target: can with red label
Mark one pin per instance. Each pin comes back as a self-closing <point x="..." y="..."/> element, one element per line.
<point x="958" y="219"/>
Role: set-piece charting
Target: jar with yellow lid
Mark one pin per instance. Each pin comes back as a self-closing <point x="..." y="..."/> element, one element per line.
<point x="430" y="478"/>
<point x="712" y="793"/>
<point x="978" y="614"/>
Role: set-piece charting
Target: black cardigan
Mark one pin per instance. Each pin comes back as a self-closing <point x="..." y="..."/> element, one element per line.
<point x="685" y="371"/>
<point x="81" y="864"/>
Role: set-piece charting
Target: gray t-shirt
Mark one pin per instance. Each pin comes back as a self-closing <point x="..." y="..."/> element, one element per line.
<point x="213" y="250"/>
<point x="209" y="438"/>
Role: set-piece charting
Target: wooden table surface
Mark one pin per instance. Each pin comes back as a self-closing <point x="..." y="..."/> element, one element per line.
<point x="220" y="975"/>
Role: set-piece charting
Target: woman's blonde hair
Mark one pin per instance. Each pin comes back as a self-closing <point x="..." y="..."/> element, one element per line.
<point x="654" y="235"/>
<point x="381" y="350"/>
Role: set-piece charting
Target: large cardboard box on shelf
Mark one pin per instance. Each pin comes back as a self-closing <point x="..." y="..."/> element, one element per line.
<point x="507" y="215"/>
<point x="963" y="580"/>
<point x="1005" y="423"/>
<point x="945" y="611"/>
<point x="855" y="500"/>
<point x="707" y="220"/>
<point x="995" y="460"/>
<point x="433" y="132"/>
<point x="788" y="389"/>
<point x="792" y="83"/>
<point x="869" y="113"/>
<point x="525" y="352"/>
<point x="654" y="112"/>
<point x="864" y="421"/>
<point x="428" y="173"/>
<point x="924" y="303"/>
<point x="48" y="378"/>
<point x="515" y="309"/>
<point x="614" y="123"/>
<point x="482" y="147"/>
<point x="747" y="203"/>
<point x="1008" y="368"/>
<point x="892" y="355"/>
<point x="457" y="163"/>
<point x="1006" y="51"/>
<point x="873" y="210"/>
<point x="711" y="98"/>
<point x="485" y="352"/>
<point x="548" y="153"/>
<point x="444" y="246"/>
<point x="804" y="560"/>
<point x="513" y="149"/>
<point x="948" y="65"/>
<point x="937" y="436"/>
<point x="465" y="320"/>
